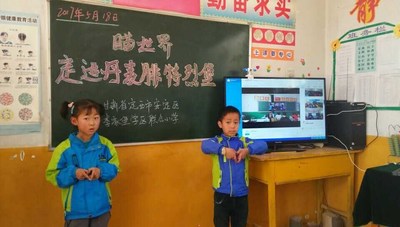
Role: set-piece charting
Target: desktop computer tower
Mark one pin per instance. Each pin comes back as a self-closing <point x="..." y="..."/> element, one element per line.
<point x="346" y="121"/>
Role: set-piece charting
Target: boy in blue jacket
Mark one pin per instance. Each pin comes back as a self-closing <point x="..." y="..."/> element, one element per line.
<point x="230" y="180"/>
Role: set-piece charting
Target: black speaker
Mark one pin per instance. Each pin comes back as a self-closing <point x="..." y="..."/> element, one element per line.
<point x="346" y="121"/>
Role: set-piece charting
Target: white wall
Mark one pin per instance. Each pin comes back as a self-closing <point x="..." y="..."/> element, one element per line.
<point x="338" y="22"/>
<point x="310" y="45"/>
<point x="310" y="38"/>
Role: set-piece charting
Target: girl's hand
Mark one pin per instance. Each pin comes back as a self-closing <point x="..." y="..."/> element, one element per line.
<point x="94" y="173"/>
<point x="81" y="174"/>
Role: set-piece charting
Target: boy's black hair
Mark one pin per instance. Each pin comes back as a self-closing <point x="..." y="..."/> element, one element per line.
<point x="226" y="110"/>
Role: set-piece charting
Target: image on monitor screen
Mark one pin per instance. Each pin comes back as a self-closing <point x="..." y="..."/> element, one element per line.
<point x="279" y="110"/>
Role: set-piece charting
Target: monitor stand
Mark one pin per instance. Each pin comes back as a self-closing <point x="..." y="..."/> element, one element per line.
<point x="287" y="147"/>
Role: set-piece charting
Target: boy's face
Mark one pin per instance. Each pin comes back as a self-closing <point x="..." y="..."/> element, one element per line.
<point x="230" y="124"/>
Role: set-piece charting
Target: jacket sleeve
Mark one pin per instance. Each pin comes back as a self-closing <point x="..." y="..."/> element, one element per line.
<point x="211" y="146"/>
<point x="256" y="146"/>
<point x="58" y="172"/>
<point x="110" y="168"/>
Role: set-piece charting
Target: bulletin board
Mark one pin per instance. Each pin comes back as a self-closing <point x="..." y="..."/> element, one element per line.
<point x="158" y="76"/>
<point x="366" y="66"/>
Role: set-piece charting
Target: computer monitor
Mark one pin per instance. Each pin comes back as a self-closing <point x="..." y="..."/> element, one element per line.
<point x="279" y="111"/>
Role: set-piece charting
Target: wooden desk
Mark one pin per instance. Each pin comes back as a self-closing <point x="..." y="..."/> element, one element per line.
<point x="278" y="168"/>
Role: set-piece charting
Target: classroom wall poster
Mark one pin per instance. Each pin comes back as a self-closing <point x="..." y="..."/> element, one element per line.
<point x="271" y="44"/>
<point x="279" y="13"/>
<point x="19" y="73"/>
<point x="367" y="65"/>
<point x="268" y="38"/>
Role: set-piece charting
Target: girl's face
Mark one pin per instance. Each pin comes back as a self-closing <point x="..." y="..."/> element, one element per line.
<point x="230" y="124"/>
<point x="87" y="124"/>
<point x="4" y="37"/>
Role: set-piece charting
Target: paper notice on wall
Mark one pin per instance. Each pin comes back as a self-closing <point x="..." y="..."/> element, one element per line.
<point x="388" y="54"/>
<point x="19" y="72"/>
<point x="365" y="88"/>
<point x="390" y="83"/>
<point x="367" y="66"/>
<point x="356" y="88"/>
<point x="344" y="88"/>
<point x="345" y="56"/>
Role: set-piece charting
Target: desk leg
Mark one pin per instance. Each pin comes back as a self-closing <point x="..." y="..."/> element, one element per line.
<point x="320" y="198"/>
<point x="271" y="205"/>
<point x="350" y="201"/>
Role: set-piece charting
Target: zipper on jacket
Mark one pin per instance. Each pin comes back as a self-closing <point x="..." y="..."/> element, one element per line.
<point x="230" y="170"/>
<point x="84" y="182"/>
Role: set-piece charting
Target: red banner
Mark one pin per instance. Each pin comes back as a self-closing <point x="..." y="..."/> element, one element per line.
<point x="191" y="7"/>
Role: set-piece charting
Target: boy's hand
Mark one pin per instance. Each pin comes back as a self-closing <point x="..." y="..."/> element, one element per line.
<point x="230" y="153"/>
<point x="88" y="174"/>
<point x="241" y="154"/>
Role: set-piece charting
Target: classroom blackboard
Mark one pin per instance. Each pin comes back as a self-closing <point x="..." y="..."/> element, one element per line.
<point x="158" y="76"/>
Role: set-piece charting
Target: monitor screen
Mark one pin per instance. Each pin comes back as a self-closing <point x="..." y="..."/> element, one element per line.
<point x="279" y="110"/>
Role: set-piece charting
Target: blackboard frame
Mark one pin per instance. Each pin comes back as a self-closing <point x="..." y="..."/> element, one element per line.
<point x="218" y="48"/>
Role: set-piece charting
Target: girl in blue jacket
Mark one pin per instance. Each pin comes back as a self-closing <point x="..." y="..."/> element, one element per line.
<point x="230" y="155"/>
<point x="83" y="165"/>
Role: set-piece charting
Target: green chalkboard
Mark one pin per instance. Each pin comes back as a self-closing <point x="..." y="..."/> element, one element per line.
<point x="159" y="76"/>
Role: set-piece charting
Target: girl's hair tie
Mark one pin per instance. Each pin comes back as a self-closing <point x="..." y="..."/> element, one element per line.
<point x="71" y="106"/>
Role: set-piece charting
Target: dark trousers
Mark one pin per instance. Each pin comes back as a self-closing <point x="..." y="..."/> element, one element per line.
<point x="100" y="221"/>
<point x="228" y="208"/>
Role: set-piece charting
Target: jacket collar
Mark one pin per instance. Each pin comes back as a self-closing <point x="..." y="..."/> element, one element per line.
<point x="229" y="138"/>
<point x="75" y="140"/>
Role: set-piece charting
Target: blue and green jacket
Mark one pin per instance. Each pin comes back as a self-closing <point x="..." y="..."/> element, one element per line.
<point x="228" y="176"/>
<point x="83" y="199"/>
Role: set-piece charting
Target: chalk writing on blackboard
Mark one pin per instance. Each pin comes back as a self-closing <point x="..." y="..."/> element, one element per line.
<point x="135" y="112"/>
<point x="151" y="72"/>
<point x="150" y="76"/>
<point x="127" y="43"/>
<point x="80" y="15"/>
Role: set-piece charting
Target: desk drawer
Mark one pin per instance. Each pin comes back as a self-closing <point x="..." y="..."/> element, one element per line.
<point x="301" y="169"/>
